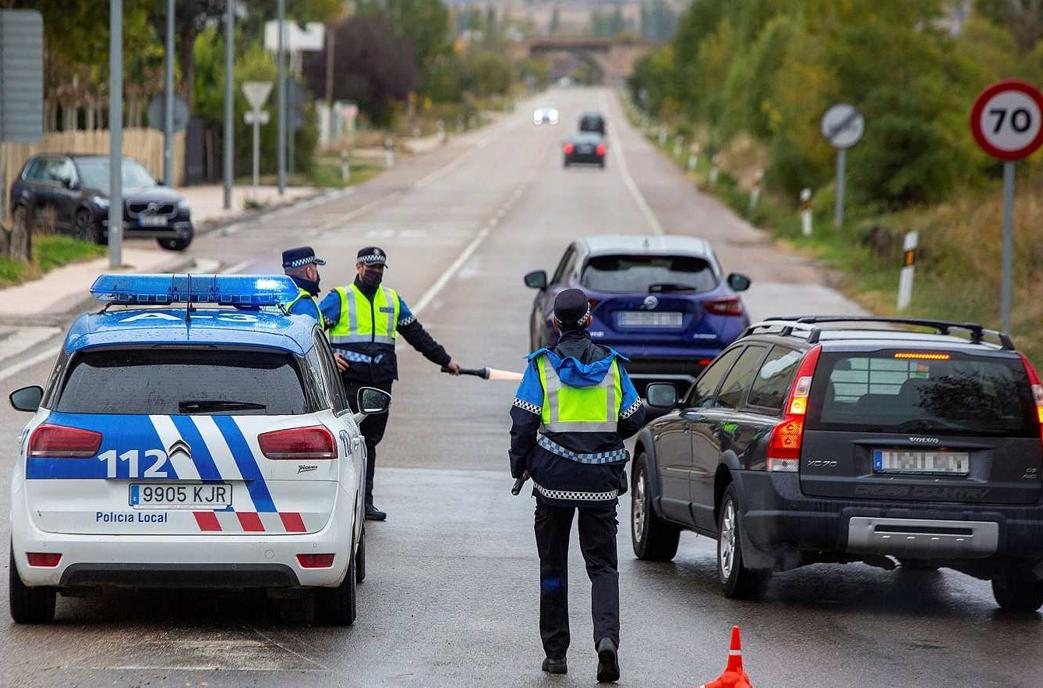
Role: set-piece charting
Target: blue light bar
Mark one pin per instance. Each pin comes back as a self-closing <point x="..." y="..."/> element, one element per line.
<point x="229" y="290"/>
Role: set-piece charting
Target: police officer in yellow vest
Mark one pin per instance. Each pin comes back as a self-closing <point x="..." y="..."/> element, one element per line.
<point x="364" y="319"/>
<point x="574" y="407"/>
<point x="301" y="265"/>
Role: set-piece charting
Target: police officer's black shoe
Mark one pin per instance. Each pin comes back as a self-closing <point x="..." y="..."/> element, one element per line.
<point x="555" y="666"/>
<point x="608" y="661"/>
<point x="374" y="514"/>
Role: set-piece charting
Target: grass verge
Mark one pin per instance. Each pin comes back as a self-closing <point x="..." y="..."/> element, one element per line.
<point x="49" y="252"/>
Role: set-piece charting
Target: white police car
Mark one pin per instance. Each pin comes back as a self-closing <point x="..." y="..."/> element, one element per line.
<point x="203" y="445"/>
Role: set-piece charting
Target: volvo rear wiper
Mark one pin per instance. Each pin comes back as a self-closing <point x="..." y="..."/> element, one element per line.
<point x="660" y="287"/>
<point x="204" y="405"/>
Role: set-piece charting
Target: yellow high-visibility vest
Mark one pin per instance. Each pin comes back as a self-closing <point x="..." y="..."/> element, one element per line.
<point x="579" y="409"/>
<point x="363" y="321"/>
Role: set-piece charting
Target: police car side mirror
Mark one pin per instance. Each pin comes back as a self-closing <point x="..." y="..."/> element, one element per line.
<point x="537" y="279"/>
<point x="739" y="282"/>
<point x="27" y="398"/>
<point x="372" y="401"/>
<point x="661" y="395"/>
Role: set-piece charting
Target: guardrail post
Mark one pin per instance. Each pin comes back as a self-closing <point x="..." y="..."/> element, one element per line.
<point x="714" y="169"/>
<point x="389" y="152"/>
<point x="345" y="167"/>
<point x="755" y="192"/>
<point x="905" y="278"/>
<point x="805" y="211"/>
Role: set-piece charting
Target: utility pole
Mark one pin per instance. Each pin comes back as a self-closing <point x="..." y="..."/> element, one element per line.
<point x="229" y="101"/>
<point x="115" y="133"/>
<point x="168" y="100"/>
<point x="280" y="142"/>
<point x="330" y="40"/>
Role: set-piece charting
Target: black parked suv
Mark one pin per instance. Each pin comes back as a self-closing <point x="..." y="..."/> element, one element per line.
<point x="73" y="192"/>
<point x="803" y="443"/>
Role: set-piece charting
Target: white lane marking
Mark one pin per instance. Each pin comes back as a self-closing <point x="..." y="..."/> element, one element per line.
<point x="25" y="338"/>
<point x="449" y="273"/>
<point x="30" y="362"/>
<point x="628" y="180"/>
<point x="290" y="650"/>
<point x="346" y="217"/>
<point x="215" y="442"/>
<point x="168" y="434"/>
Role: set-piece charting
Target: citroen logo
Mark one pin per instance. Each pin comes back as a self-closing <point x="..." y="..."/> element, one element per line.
<point x="650" y="303"/>
<point x="181" y="447"/>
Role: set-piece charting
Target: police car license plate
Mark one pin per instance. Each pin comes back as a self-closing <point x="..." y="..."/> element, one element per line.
<point x="665" y="319"/>
<point x="921" y="462"/>
<point x="152" y="221"/>
<point x="180" y="496"/>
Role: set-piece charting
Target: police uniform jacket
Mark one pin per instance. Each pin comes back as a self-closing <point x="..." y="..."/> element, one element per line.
<point x="375" y="361"/>
<point x="569" y="466"/>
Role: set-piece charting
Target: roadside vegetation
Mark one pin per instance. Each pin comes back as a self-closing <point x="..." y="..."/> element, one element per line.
<point x="50" y="251"/>
<point x="748" y="82"/>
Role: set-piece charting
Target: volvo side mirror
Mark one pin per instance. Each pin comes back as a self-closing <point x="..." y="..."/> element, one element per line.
<point x="27" y="398"/>
<point x="537" y="279"/>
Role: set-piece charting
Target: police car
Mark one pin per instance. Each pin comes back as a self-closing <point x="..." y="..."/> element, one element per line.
<point x="192" y="434"/>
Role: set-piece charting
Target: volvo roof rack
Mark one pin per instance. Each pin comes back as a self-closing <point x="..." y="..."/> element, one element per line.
<point x="810" y="324"/>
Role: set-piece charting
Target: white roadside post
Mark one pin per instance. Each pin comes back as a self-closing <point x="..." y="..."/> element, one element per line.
<point x="714" y="169"/>
<point x="256" y="93"/>
<point x="843" y="126"/>
<point x="805" y="211"/>
<point x="459" y="124"/>
<point x="345" y="167"/>
<point x="441" y="131"/>
<point x="693" y="156"/>
<point x="905" y="278"/>
<point x="678" y="145"/>
<point x="662" y="134"/>
<point x="389" y="153"/>
<point x="1007" y="123"/>
<point x="755" y="192"/>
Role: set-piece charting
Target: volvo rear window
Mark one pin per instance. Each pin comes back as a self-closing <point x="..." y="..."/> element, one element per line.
<point x="897" y="391"/>
<point x="184" y="381"/>
<point x="628" y="274"/>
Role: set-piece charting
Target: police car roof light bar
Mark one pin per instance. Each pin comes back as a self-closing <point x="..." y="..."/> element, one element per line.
<point x="242" y="291"/>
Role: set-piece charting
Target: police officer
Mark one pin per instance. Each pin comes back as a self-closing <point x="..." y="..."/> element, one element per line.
<point x="574" y="407"/>
<point x="301" y="265"/>
<point x="364" y="319"/>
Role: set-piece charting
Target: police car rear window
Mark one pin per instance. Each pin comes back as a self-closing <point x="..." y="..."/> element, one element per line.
<point x="184" y="381"/>
<point x="902" y="391"/>
<point x="628" y="274"/>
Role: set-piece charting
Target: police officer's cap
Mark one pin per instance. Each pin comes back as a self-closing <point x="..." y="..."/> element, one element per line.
<point x="299" y="257"/>
<point x="372" y="255"/>
<point x="571" y="307"/>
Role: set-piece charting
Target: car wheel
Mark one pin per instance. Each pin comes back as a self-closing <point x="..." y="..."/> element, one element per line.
<point x="653" y="538"/>
<point x="564" y="163"/>
<point x="337" y="606"/>
<point x="86" y="227"/>
<point x="28" y="605"/>
<point x="1016" y="589"/>
<point x="601" y="164"/>
<point x="360" y="558"/>
<point x="174" y="244"/>
<point x="737" y="581"/>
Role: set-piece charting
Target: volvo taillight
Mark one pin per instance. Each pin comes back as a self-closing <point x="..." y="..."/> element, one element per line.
<point x="60" y="442"/>
<point x="788" y="436"/>
<point x="729" y="306"/>
<point x="313" y="442"/>
<point x="1037" y="391"/>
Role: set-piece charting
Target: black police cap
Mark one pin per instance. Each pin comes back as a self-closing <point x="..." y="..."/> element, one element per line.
<point x="372" y="255"/>
<point x="299" y="257"/>
<point x="571" y="306"/>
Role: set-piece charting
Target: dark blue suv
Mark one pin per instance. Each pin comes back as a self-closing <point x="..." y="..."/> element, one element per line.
<point x="662" y="301"/>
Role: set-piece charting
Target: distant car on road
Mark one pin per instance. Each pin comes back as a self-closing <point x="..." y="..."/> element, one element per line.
<point x="73" y="190"/>
<point x="817" y="439"/>
<point x="662" y="301"/>
<point x="584" y="148"/>
<point x="592" y="121"/>
<point x="545" y="115"/>
<point x="217" y="454"/>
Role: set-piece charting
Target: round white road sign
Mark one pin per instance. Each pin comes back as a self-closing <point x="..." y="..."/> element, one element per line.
<point x="843" y="125"/>
<point x="1007" y="120"/>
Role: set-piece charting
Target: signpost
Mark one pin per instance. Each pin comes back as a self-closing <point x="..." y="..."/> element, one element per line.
<point x="1007" y="122"/>
<point x="256" y="93"/>
<point x="843" y="126"/>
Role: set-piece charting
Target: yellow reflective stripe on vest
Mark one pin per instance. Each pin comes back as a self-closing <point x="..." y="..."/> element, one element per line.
<point x="363" y="321"/>
<point x="302" y="294"/>
<point x="579" y="409"/>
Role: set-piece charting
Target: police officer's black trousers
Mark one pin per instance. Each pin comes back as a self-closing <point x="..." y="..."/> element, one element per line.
<point x="597" y="540"/>
<point x="372" y="428"/>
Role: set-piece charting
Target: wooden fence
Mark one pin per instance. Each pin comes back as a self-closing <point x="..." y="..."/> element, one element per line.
<point x="141" y="144"/>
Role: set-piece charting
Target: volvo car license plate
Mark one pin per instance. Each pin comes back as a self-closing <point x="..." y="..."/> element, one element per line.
<point x="152" y="221"/>
<point x="665" y="319"/>
<point x="180" y="496"/>
<point x="921" y="462"/>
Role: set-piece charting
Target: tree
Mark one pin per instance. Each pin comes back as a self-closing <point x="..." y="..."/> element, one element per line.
<point x="375" y="67"/>
<point x="424" y="23"/>
<point x="1023" y="18"/>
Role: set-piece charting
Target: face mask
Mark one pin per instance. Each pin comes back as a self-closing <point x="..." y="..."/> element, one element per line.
<point x="372" y="278"/>
<point x="307" y="284"/>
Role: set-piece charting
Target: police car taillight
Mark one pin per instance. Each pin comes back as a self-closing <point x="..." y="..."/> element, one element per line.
<point x="315" y="561"/>
<point x="788" y="436"/>
<point x="314" y="442"/>
<point x="47" y="560"/>
<point x="231" y="290"/>
<point x="1037" y="391"/>
<point x="60" y="442"/>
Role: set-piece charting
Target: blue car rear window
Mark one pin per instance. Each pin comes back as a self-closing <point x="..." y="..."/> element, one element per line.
<point x="625" y="273"/>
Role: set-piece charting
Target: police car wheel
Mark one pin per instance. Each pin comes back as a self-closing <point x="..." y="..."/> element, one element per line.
<point x="29" y="605"/>
<point x="337" y="606"/>
<point x="736" y="580"/>
<point x="360" y="558"/>
<point x="653" y="538"/>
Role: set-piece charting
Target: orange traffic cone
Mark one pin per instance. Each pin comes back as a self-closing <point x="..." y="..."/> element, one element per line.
<point x="733" y="676"/>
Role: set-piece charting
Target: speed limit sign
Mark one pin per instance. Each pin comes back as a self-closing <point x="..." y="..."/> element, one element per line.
<point x="1007" y="120"/>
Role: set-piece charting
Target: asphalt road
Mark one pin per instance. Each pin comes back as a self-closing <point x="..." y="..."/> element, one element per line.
<point x="451" y="593"/>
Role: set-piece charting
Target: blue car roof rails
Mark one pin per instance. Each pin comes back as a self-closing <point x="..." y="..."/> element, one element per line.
<point x="250" y="292"/>
<point x="944" y="327"/>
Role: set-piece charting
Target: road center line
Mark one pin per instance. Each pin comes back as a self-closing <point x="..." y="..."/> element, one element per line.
<point x="44" y="355"/>
<point x="628" y="181"/>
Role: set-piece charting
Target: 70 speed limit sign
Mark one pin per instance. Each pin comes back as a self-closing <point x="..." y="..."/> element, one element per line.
<point x="1007" y="120"/>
